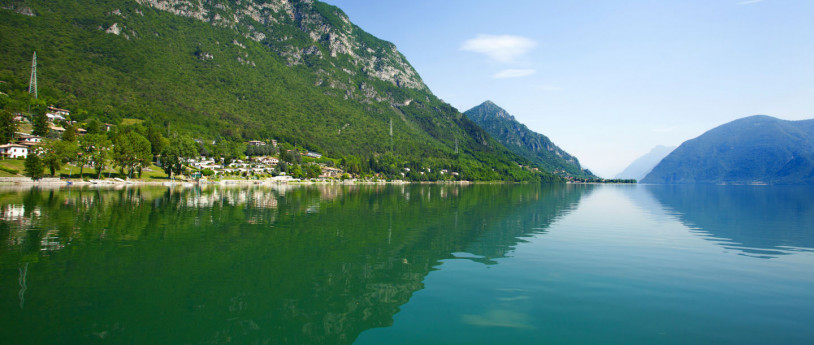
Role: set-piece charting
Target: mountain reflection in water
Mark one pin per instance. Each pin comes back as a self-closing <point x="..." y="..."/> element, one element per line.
<point x="302" y="265"/>
<point x="758" y="221"/>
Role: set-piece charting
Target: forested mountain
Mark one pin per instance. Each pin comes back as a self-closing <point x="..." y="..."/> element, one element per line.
<point x="232" y="71"/>
<point x="753" y="150"/>
<point x="521" y="140"/>
<point x="642" y="166"/>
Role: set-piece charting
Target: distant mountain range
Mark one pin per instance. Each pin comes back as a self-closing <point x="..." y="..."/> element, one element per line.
<point x="521" y="140"/>
<point x="644" y="164"/>
<point x="753" y="150"/>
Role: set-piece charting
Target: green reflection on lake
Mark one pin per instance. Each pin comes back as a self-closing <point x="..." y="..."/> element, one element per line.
<point x="250" y="265"/>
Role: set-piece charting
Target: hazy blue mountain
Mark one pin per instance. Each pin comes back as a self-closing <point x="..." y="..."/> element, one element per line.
<point x="753" y="150"/>
<point x="644" y="164"/>
<point x="521" y="140"/>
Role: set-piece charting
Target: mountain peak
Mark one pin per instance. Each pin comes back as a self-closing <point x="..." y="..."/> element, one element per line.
<point x="523" y="141"/>
<point x="640" y="167"/>
<point x="489" y="108"/>
<point x="757" y="149"/>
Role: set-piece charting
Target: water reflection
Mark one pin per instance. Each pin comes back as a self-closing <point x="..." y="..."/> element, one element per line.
<point x="305" y="265"/>
<point x="757" y="221"/>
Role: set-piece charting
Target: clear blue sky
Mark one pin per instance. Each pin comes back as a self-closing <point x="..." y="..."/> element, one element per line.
<point x="608" y="80"/>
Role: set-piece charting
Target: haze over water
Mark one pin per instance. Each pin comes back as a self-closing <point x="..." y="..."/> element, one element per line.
<point x="481" y="264"/>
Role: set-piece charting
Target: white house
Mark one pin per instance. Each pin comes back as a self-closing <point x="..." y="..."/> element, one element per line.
<point x="60" y="112"/>
<point x="20" y="118"/>
<point x="55" y="113"/>
<point x="26" y="139"/>
<point x="54" y="117"/>
<point x="268" y="160"/>
<point x="14" y="150"/>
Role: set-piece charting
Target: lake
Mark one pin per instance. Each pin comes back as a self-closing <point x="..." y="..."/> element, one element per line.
<point x="408" y="264"/>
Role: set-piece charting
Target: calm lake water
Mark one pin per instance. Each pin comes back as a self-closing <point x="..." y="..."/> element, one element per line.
<point x="483" y="264"/>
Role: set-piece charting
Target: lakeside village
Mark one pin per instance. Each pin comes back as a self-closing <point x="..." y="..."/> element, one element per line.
<point x="65" y="145"/>
<point x="40" y="139"/>
<point x="102" y="153"/>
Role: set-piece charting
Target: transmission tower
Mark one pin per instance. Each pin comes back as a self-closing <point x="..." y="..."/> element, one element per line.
<point x="32" y="84"/>
<point x="456" y="145"/>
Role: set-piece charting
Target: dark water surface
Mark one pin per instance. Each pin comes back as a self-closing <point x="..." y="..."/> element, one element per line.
<point x="480" y="264"/>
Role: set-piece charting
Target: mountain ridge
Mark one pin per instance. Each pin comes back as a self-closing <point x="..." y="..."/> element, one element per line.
<point x="524" y="142"/>
<point x="640" y="167"/>
<point x="758" y="149"/>
<point x="295" y="71"/>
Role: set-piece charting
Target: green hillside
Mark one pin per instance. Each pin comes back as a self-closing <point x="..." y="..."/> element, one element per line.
<point x="753" y="150"/>
<point x="299" y="72"/>
<point x="521" y="140"/>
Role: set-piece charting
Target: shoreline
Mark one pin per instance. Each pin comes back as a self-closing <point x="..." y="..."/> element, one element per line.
<point x="59" y="182"/>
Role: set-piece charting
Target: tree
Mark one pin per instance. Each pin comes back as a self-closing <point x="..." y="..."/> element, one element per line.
<point x="281" y="167"/>
<point x="101" y="156"/>
<point x="8" y="127"/>
<point x="179" y="149"/>
<point x="57" y="152"/>
<point x="33" y="166"/>
<point x="131" y="152"/>
<point x="93" y="126"/>
<point x="70" y="133"/>
<point x="93" y="149"/>
<point x="157" y="141"/>
<point x="291" y="156"/>
<point x="313" y="171"/>
<point x="296" y="172"/>
<point x="40" y="124"/>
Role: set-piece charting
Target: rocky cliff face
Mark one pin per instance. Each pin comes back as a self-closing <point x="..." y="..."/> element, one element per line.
<point x="327" y="30"/>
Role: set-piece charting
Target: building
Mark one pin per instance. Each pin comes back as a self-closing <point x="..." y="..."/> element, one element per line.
<point x="313" y="154"/>
<point x="54" y="117"/>
<point x="14" y="150"/>
<point x="331" y="172"/>
<point x="29" y="141"/>
<point x="20" y="118"/>
<point x="26" y="139"/>
<point x="59" y="112"/>
<point x="257" y="143"/>
<point x="269" y="161"/>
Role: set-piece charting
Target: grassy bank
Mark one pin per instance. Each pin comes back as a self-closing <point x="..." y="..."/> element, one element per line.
<point x="16" y="168"/>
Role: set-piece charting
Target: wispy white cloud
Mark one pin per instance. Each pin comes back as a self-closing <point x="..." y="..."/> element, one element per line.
<point x="513" y="73"/>
<point x="501" y="48"/>
<point x="749" y="2"/>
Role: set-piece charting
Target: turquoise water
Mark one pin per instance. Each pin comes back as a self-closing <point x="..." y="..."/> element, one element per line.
<point x="408" y="265"/>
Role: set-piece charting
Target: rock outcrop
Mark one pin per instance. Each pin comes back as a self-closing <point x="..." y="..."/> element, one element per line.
<point x="330" y="31"/>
